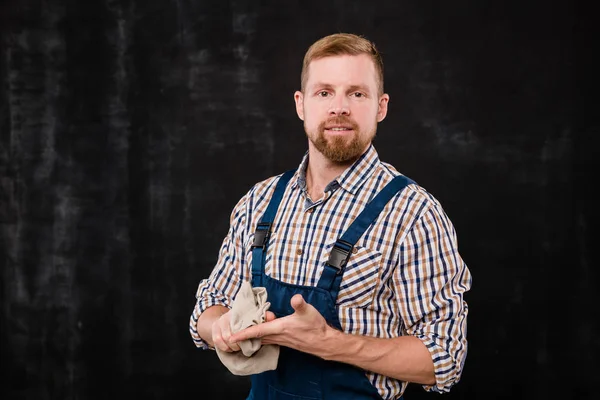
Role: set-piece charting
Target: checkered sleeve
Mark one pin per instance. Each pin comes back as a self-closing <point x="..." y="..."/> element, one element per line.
<point x="226" y="277"/>
<point x="430" y="280"/>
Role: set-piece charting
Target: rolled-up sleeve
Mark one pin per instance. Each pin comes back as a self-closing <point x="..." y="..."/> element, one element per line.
<point x="226" y="277"/>
<point x="430" y="282"/>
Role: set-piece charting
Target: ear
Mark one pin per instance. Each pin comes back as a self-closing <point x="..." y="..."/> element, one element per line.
<point x="299" y="99"/>
<point x="382" y="107"/>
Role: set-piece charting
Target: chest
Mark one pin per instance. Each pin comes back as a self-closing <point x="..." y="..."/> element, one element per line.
<point x="302" y="238"/>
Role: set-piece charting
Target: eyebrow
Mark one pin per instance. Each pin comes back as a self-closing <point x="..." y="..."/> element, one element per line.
<point x="359" y="88"/>
<point x="321" y="85"/>
<point x="353" y="88"/>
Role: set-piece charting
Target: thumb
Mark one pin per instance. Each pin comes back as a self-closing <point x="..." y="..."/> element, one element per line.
<point x="298" y="303"/>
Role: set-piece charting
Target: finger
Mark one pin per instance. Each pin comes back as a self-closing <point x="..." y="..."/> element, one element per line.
<point x="233" y="347"/>
<point x="248" y="333"/>
<point x="269" y="316"/>
<point x="217" y="338"/>
<point x="257" y="331"/>
<point x="229" y="343"/>
<point x="298" y="303"/>
<point x="221" y="335"/>
<point x="220" y="344"/>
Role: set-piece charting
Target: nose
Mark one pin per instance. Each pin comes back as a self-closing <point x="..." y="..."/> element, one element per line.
<point x="339" y="106"/>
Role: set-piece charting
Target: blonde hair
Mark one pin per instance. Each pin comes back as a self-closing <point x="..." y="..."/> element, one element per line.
<point x="342" y="44"/>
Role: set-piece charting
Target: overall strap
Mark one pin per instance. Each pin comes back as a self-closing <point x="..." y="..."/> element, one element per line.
<point x="263" y="229"/>
<point x="333" y="270"/>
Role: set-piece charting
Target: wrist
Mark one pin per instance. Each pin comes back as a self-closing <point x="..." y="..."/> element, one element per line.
<point x="334" y="343"/>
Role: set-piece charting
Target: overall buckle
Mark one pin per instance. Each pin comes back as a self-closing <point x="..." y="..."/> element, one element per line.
<point x="261" y="234"/>
<point x="340" y="254"/>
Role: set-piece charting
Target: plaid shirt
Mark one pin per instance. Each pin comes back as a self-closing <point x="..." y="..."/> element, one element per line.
<point x="405" y="277"/>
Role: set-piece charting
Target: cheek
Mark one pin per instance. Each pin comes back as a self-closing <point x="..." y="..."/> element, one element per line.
<point x="365" y="115"/>
<point x="312" y="116"/>
<point x="370" y="113"/>
<point x="311" y="109"/>
<point x="311" y="124"/>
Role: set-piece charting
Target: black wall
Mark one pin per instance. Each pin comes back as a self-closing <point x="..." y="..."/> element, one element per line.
<point x="129" y="129"/>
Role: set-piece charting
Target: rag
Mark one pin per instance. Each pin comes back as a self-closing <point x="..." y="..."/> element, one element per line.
<point x="249" y="308"/>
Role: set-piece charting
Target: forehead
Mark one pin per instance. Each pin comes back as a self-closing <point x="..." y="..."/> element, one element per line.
<point x="344" y="70"/>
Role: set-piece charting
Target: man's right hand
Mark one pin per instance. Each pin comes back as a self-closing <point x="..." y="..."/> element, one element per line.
<point x="214" y="328"/>
<point x="221" y="334"/>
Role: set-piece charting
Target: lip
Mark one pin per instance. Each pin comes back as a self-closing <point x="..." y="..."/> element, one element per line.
<point x="335" y="133"/>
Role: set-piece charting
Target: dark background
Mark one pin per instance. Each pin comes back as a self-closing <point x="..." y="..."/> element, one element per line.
<point x="129" y="130"/>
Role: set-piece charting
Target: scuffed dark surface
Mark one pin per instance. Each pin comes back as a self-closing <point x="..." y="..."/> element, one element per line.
<point x="129" y="129"/>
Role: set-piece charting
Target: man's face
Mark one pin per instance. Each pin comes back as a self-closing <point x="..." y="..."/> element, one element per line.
<point x="340" y="106"/>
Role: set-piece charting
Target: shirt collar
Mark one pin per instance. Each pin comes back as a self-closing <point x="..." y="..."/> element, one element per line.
<point x="351" y="179"/>
<point x="299" y="178"/>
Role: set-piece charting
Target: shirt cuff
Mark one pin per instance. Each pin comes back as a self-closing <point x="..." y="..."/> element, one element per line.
<point x="201" y="306"/>
<point x="445" y="368"/>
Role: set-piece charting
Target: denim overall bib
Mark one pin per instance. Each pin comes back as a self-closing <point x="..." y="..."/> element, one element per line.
<point x="302" y="376"/>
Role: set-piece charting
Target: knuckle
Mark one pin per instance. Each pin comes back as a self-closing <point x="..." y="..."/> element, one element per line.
<point x="219" y="344"/>
<point x="217" y="339"/>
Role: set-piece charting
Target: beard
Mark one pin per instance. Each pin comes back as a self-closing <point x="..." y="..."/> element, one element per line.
<point x="340" y="149"/>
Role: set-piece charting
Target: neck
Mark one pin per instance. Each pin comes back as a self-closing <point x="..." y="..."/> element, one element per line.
<point x="320" y="172"/>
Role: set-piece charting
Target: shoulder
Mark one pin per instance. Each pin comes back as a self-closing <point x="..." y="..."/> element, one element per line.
<point x="413" y="192"/>
<point x="266" y="187"/>
<point x="415" y="206"/>
<point x="259" y="195"/>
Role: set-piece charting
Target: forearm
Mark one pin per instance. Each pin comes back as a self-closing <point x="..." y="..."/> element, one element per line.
<point x="206" y="320"/>
<point x="404" y="358"/>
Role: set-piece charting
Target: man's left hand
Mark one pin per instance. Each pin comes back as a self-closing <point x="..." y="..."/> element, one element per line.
<point x="305" y="330"/>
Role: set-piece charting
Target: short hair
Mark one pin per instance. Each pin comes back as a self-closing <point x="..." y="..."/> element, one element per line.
<point x="342" y="44"/>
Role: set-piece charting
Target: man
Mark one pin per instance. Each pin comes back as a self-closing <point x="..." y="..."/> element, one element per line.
<point x="361" y="304"/>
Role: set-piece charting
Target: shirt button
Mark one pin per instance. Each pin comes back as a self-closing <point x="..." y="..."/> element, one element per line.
<point x="354" y="250"/>
<point x="310" y="210"/>
<point x="299" y="251"/>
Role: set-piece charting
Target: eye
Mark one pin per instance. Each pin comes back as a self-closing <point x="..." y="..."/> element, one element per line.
<point x="323" y="93"/>
<point x="358" y="95"/>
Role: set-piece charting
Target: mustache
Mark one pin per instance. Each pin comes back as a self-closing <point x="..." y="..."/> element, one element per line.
<point x="339" y="120"/>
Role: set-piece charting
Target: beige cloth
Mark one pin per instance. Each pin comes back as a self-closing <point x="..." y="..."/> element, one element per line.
<point x="249" y="308"/>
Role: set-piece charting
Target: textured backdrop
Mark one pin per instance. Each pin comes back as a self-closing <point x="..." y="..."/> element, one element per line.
<point x="129" y="129"/>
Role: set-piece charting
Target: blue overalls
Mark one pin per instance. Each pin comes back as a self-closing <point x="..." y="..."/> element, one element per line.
<point x="300" y="375"/>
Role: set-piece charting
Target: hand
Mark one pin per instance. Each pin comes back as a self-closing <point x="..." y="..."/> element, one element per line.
<point x="221" y="334"/>
<point x="304" y="330"/>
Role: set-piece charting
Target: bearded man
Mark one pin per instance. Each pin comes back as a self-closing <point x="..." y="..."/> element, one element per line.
<point x="360" y="265"/>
